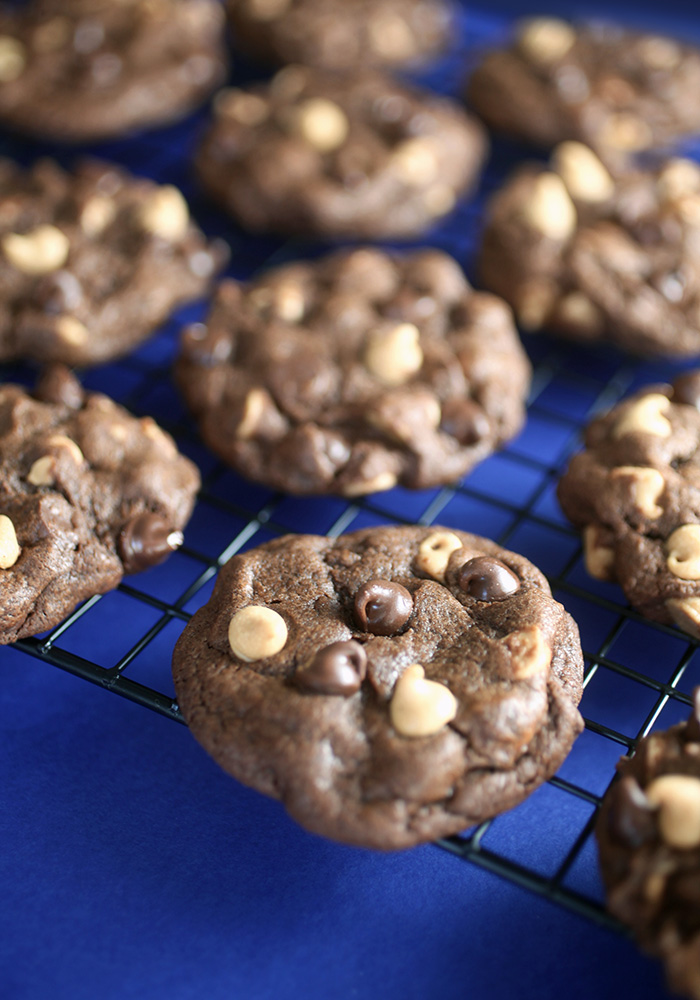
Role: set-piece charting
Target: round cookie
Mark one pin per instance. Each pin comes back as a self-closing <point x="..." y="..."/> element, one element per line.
<point x="92" y="261"/>
<point x="355" y="372"/>
<point x="594" y="255"/>
<point x="341" y="34"/>
<point x="339" y="155"/>
<point x="635" y="493"/>
<point x="648" y="835"/>
<point x="389" y="686"/>
<point x="87" y="493"/>
<point x="77" y="70"/>
<point x="619" y="91"/>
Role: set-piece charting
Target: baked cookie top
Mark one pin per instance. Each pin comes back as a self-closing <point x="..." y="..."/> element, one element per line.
<point x="355" y="372"/>
<point x="354" y="155"/>
<point x="76" y="70"/>
<point x="635" y="492"/>
<point x="619" y="91"/>
<point x="649" y="842"/>
<point x="87" y="493"/>
<point x="598" y="255"/>
<point x="341" y="35"/>
<point x="389" y="686"/>
<point x="92" y="261"/>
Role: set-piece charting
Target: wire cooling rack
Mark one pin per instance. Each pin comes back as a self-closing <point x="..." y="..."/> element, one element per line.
<point x="639" y="675"/>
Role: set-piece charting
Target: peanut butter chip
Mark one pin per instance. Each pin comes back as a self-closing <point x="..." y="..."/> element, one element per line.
<point x="531" y="654"/>
<point x="42" y="472"/>
<point x="253" y="409"/>
<point x="323" y="124"/>
<point x="255" y="633"/>
<point x="97" y="214"/>
<point x="420" y="707"/>
<point x="382" y="481"/>
<point x="72" y="331"/>
<point x="394" y="355"/>
<point x="13" y="58"/>
<point x="434" y="553"/>
<point x="598" y="557"/>
<point x="415" y="162"/>
<point x="166" y="214"/>
<point x="549" y="209"/>
<point x="678" y="799"/>
<point x="626" y="132"/>
<point x="61" y="441"/>
<point x="680" y="177"/>
<point x="40" y="251"/>
<point x="685" y="612"/>
<point x="9" y="546"/>
<point x="646" y="486"/>
<point x="645" y="416"/>
<point x="247" y="109"/>
<point x="584" y="175"/>
<point x="544" y="40"/>
<point x="683" y="548"/>
<point x="391" y="37"/>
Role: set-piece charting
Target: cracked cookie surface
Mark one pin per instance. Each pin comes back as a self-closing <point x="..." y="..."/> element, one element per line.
<point x="389" y="686"/>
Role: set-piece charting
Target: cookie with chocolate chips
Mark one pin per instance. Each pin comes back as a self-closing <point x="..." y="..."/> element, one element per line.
<point x="389" y="686"/>
<point x="595" y="255"/>
<point x="353" y="155"/>
<point x="619" y="91"/>
<point x="76" y="70"/>
<point x="92" y="261"/>
<point x="635" y="493"/>
<point x="341" y="35"/>
<point x="648" y="836"/>
<point x="87" y="493"/>
<point x="355" y="372"/>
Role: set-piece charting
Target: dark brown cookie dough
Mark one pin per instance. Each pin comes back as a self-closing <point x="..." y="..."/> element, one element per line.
<point x="592" y="255"/>
<point x="649" y="841"/>
<point x="76" y="70"/>
<point x="619" y="91"/>
<point x="91" y="262"/>
<point x="341" y="34"/>
<point x="388" y="686"/>
<point x="339" y="156"/>
<point x="355" y="372"/>
<point x="635" y="492"/>
<point x="87" y="493"/>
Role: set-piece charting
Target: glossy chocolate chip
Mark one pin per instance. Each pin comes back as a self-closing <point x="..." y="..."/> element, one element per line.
<point x="465" y="421"/>
<point x="336" y="669"/>
<point x="487" y="579"/>
<point x="692" y="728"/>
<point x="686" y="389"/>
<point x="145" y="541"/>
<point x="631" y="819"/>
<point x="382" y="607"/>
<point x="57" y="384"/>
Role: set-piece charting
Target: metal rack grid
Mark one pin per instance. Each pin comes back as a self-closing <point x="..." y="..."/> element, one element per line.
<point x="638" y="674"/>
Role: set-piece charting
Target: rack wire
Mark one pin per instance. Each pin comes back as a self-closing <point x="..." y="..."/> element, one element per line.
<point x="638" y="675"/>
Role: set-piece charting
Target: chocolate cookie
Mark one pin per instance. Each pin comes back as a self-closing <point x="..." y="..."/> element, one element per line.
<point x="355" y="372"/>
<point x="87" y="493"/>
<point x="635" y="492"/>
<point x="388" y="686"/>
<point x="91" y="262"/>
<point x="353" y="156"/>
<point x="619" y="91"/>
<point x="649" y="840"/>
<point x="595" y="256"/>
<point x="341" y="34"/>
<point x="76" y="70"/>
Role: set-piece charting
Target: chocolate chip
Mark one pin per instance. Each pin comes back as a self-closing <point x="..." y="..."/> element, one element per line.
<point x="692" y="728"/>
<point x="59" y="292"/>
<point x="631" y="818"/>
<point x="487" y="579"/>
<point x="145" y="541"/>
<point x="57" y="384"/>
<point x="382" y="607"/>
<point x="464" y="420"/>
<point x="336" y="669"/>
<point x="686" y="389"/>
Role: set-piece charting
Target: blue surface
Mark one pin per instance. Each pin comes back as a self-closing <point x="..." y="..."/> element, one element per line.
<point x="133" y="867"/>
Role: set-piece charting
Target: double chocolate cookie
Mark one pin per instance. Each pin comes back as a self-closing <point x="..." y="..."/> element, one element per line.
<point x="388" y="686"/>
<point x="592" y="255"/>
<point x="635" y="492"/>
<point x="341" y="34"/>
<point x="76" y="70"/>
<point x="91" y="262"/>
<point x="619" y="91"/>
<point x="339" y="156"/>
<point x="355" y="372"/>
<point x="87" y="493"/>
<point x="649" y="839"/>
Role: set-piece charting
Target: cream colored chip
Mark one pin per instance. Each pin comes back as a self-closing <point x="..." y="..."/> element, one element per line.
<point x="626" y="132"/>
<point x="377" y="484"/>
<point x="255" y="633"/>
<point x="13" y="58"/>
<point x="577" y="310"/>
<point x="646" y="416"/>
<point x="531" y="653"/>
<point x="677" y="797"/>
<point x="415" y="162"/>
<point x="72" y="331"/>
<point x="549" y="209"/>
<point x="64" y="442"/>
<point x="289" y="302"/>
<point x="434" y="553"/>
<point x="247" y="109"/>
<point x="322" y="124"/>
<point x="598" y="557"/>
<point x="685" y="612"/>
<point x="440" y="199"/>
<point x="535" y="301"/>
<point x="680" y="177"/>
<point x="544" y="40"/>
<point x="420" y="707"/>
<point x="42" y="472"/>
<point x="683" y="552"/>
<point x="9" y="546"/>
<point x="253" y="409"/>
<point x="40" y="251"/>
<point x="394" y="355"/>
<point x="166" y="214"/>
<point x="647" y="485"/>
<point x="98" y="213"/>
<point x="659" y="53"/>
<point x="266" y="10"/>
<point x="158" y="436"/>
<point x="391" y="37"/>
<point x="583" y="173"/>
